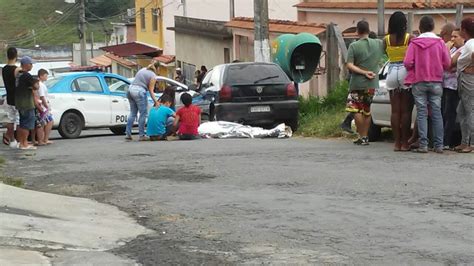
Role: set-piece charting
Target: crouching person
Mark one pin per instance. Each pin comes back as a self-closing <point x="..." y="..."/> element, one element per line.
<point x="160" y="120"/>
<point x="188" y="118"/>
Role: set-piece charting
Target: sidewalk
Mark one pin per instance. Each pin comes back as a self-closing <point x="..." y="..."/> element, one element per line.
<point x="32" y="221"/>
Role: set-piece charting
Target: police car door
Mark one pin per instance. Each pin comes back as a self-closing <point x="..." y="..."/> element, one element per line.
<point x="89" y="93"/>
<point x="119" y="103"/>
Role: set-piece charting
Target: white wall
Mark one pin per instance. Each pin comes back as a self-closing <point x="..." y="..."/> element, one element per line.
<point x="219" y="10"/>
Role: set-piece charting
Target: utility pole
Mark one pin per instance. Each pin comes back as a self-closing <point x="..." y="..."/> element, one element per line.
<point x="411" y="18"/>
<point x="381" y="17"/>
<point x="232" y="9"/>
<point x="261" y="42"/>
<point x="82" y="32"/>
<point x="92" y="44"/>
<point x="185" y="13"/>
<point x="459" y="13"/>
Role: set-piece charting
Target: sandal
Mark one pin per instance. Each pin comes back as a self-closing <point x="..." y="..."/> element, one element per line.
<point x="6" y="140"/>
<point x="28" y="148"/>
<point x="465" y="150"/>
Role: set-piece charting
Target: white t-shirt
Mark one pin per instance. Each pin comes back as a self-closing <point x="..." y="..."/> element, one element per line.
<point x="43" y="91"/>
<point x="464" y="59"/>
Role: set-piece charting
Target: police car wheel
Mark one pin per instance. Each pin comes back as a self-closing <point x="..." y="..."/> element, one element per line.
<point x="70" y="126"/>
<point x="120" y="130"/>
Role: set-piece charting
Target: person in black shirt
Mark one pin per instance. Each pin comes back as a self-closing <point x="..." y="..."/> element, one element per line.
<point x="24" y="102"/>
<point x="9" y="74"/>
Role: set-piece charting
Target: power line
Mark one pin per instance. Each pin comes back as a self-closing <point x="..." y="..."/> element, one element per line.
<point x="46" y="29"/>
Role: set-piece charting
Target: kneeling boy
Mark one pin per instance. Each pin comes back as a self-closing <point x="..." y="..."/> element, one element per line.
<point x="160" y="120"/>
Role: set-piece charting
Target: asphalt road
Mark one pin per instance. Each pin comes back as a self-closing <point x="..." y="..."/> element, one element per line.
<point x="291" y="201"/>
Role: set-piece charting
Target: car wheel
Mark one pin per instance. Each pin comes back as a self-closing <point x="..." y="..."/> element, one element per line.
<point x="119" y="130"/>
<point x="204" y="118"/>
<point x="71" y="125"/>
<point x="374" y="132"/>
<point x="293" y="124"/>
<point x="212" y="113"/>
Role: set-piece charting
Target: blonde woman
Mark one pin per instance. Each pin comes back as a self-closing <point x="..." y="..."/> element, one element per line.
<point x="144" y="81"/>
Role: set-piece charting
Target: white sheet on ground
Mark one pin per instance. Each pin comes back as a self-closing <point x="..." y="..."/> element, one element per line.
<point x="223" y="130"/>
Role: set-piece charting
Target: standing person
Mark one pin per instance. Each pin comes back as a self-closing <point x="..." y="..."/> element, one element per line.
<point x="188" y="118"/>
<point x="446" y="32"/>
<point x="425" y="61"/>
<point x="9" y="74"/>
<point x="465" y="67"/>
<point x="47" y="116"/>
<point x="450" y="98"/>
<point x="201" y="75"/>
<point x="137" y="96"/>
<point x="37" y="134"/>
<point x="180" y="76"/>
<point x="396" y="44"/>
<point x="24" y="103"/>
<point x="363" y="61"/>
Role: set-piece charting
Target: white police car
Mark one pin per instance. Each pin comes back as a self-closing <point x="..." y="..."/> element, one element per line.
<point x="81" y="100"/>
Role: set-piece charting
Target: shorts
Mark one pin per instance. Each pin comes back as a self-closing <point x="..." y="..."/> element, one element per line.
<point x="188" y="137"/>
<point x="27" y="119"/>
<point x="359" y="101"/>
<point x="396" y="76"/>
<point x="40" y="119"/>
<point x="13" y="117"/>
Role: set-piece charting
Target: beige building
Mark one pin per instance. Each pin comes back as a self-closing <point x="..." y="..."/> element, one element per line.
<point x="346" y="14"/>
<point x="201" y="42"/>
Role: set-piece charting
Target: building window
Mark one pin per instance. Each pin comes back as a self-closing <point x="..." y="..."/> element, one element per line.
<point x="155" y="16"/>
<point x="142" y="18"/>
<point x="226" y="55"/>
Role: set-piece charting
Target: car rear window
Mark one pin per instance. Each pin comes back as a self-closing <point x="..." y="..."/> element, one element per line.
<point x="255" y="74"/>
<point x="52" y="81"/>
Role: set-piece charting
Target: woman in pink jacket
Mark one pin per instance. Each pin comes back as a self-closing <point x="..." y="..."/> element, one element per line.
<point x="426" y="59"/>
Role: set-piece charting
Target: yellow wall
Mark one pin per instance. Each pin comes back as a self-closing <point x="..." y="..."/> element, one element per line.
<point x="147" y="35"/>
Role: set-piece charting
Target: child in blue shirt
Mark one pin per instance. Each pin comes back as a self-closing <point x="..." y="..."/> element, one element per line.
<point x="160" y="120"/>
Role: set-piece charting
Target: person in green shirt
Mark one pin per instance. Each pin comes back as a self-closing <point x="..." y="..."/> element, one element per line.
<point x="24" y="103"/>
<point x="363" y="60"/>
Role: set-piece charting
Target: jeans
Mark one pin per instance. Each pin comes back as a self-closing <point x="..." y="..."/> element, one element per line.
<point x="429" y="93"/>
<point x="138" y="103"/>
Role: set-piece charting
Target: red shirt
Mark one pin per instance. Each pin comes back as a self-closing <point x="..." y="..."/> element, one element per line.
<point x="189" y="119"/>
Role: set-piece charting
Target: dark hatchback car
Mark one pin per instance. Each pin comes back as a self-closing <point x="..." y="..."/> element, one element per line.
<point x="251" y="93"/>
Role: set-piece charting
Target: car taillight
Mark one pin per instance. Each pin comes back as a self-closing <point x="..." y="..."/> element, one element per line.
<point x="225" y="94"/>
<point x="291" y="90"/>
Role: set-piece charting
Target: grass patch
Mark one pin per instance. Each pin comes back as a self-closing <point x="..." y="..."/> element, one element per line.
<point x="321" y="117"/>
<point x="12" y="181"/>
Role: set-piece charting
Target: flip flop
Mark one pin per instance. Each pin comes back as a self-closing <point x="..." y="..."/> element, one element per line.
<point x="28" y="148"/>
<point x="49" y="142"/>
<point x="6" y="141"/>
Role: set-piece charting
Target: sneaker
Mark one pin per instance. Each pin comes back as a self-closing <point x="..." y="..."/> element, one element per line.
<point x="358" y="141"/>
<point x="365" y="141"/>
<point x="128" y="138"/>
<point x="421" y="150"/>
<point x="347" y="128"/>
<point x="439" y="150"/>
<point x="14" y="144"/>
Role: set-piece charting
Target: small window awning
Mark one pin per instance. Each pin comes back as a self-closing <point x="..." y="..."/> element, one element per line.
<point x="101" y="60"/>
<point x="133" y="48"/>
<point x="165" y="59"/>
<point x="120" y="60"/>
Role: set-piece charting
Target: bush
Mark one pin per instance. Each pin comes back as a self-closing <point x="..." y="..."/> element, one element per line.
<point x="321" y="117"/>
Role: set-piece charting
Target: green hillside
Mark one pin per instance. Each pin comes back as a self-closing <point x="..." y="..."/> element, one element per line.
<point x="19" y="19"/>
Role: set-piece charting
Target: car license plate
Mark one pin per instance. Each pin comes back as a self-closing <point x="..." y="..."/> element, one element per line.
<point x="260" y="109"/>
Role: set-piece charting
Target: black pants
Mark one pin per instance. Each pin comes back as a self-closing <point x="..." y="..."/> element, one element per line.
<point x="449" y="104"/>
